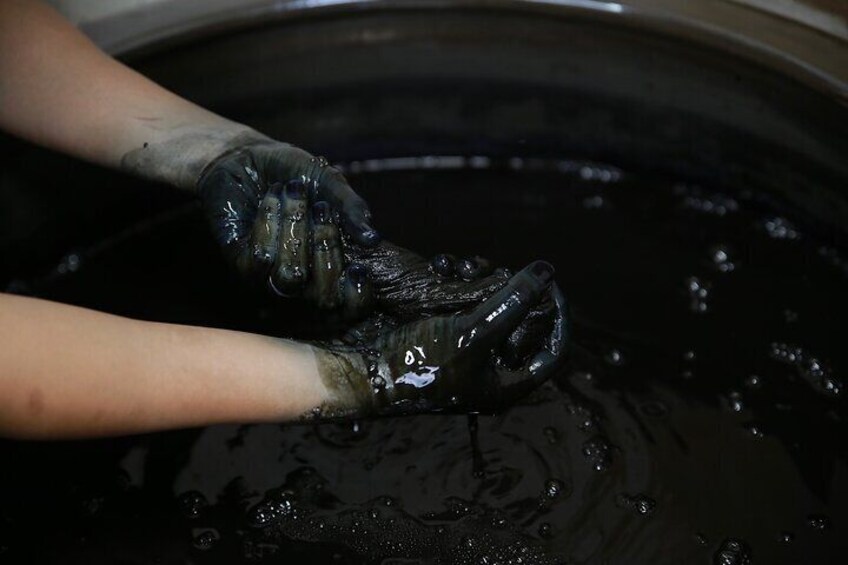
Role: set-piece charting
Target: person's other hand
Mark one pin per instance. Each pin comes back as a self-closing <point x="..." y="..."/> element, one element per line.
<point x="445" y="363"/>
<point x="279" y="213"/>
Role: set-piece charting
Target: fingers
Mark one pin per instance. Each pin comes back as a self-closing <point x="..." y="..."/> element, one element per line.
<point x="265" y="233"/>
<point x="545" y="362"/>
<point x="541" y="366"/>
<point x="293" y="252"/>
<point x="492" y="321"/>
<point x="356" y="292"/>
<point x="228" y="208"/>
<point x="327" y="260"/>
<point x="355" y="215"/>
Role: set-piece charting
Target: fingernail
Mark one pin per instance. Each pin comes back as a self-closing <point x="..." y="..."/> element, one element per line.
<point x="442" y="264"/>
<point x="321" y="213"/>
<point x="295" y="189"/>
<point x="357" y="273"/>
<point x="543" y="271"/>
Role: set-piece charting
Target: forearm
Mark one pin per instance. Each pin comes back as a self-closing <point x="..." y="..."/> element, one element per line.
<point x="70" y="372"/>
<point x="59" y="90"/>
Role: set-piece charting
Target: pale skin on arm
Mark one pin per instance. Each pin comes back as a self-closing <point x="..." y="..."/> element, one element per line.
<point x="68" y="372"/>
<point x="62" y="92"/>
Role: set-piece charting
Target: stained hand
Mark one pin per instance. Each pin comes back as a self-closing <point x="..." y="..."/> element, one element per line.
<point x="278" y="212"/>
<point x="445" y="363"/>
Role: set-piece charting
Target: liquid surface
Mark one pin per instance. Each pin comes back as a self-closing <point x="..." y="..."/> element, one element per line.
<point x="701" y="418"/>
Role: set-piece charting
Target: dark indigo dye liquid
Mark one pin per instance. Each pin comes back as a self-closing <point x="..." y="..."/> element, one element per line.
<point x="701" y="418"/>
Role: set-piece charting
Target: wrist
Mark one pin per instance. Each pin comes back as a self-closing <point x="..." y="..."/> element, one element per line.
<point x="179" y="155"/>
<point x="344" y="373"/>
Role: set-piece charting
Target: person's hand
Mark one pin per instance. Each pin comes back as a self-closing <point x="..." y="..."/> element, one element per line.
<point x="444" y="363"/>
<point x="278" y="212"/>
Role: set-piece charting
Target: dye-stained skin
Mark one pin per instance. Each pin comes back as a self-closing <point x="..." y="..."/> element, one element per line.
<point x="446" y="362"/>
<point x="277" y="210"/>
<point x="444" y="334"/>
<point x="288" y="220"/>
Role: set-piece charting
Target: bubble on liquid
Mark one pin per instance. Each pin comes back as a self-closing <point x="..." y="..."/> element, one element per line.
<point x="70" y="263"/>
<point x="712" y="203"/>
<point x="753" y="382"/>
<point x="640" y="504"/>
<point x="585" y="376"/>
<point x="589" y="171"/>
<point x="551" y="434"/>
<point x="545" y="530"/>
<point x="699" y="292"/>
<point x="734" y="402"/>
<point x="192" y="504"/>
<point x="732" y="552"/>
<point x="810" y="368"/>
<point x="593" y="202"/>
<point x="786" y="537"/>
<point x="780" y="228"/>
<point x="205" y="539"/>
<point x="584" y="418"/>
<point x="701" y="539"/>
<point x="598" y="452"/>
<point x="791" y="316"/>
<point x="720" y="257"/>
<point x="834" y="258"/>
<point x="614" y="357"/>
<point x="818" y="522"/>
<point x="554" y="488"/>
<point x="689" y="355"/>
<point x="754" y="431"/>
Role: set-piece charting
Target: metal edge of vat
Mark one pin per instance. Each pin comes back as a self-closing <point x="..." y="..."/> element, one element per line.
<point x="807" y="43"/>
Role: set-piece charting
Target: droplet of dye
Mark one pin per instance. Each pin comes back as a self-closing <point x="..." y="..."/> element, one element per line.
<point x="786" y="537"/>
<point x="551" y="434"/>
<point x="545" y="530"/>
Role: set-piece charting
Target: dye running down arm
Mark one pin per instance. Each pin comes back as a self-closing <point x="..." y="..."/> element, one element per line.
<point x="68" y="372"/>
<point x="59" y="90"/>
